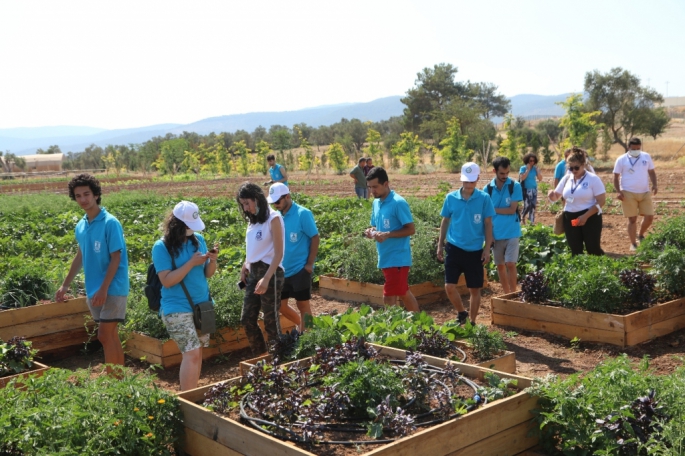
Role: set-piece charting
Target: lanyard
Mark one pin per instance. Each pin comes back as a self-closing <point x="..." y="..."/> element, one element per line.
<point x="632" y="163"/>
<point x="574" y="187"/>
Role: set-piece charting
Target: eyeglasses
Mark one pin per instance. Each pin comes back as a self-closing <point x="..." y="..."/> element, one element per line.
<point x="574" y="168"/>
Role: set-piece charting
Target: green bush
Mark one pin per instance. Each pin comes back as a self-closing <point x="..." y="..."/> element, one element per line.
<point x="71" y="413"/>
<point x="316" y="337"/>
<point x="486" y="344"/>
<point x="367" y="383"/>
<point x="588" y="282"/>
<point x="568" y="409"/>
<point x="669" y="268"/>
<point x="669" y="232"/>
<point x="24" y="287"/>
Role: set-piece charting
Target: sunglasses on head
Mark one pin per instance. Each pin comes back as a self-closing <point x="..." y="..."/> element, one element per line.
<point x="574" y="168"/>
<point x="279" y="200"/>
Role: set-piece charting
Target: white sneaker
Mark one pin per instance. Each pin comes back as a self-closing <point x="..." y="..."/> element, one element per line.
<point x="633" y="247"/>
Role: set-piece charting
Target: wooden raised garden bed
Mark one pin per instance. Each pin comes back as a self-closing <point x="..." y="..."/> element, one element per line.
<point x="349" y="290"/>
<point x="37" y="370"/>
<point x="498" y="428"/>
<point x="505" y="363"/>
<point x="621" y="330"/>
<point x="156" y="351"/>
<point x="49" y="327"/>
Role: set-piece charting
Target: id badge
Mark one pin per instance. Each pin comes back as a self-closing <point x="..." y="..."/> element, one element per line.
<point x="631" y="170"/>
<point x="569" y="199"/>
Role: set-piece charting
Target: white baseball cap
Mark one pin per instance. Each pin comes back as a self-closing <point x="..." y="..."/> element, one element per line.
<point x="276" y="191"/>
<point x="189" y="214"/>
<point x="469" y="172"/>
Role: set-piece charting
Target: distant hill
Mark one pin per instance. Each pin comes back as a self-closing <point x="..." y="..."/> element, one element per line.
<point x="23" y="141"/>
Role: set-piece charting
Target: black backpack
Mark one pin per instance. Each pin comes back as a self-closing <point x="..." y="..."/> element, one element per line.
<point x="153" y="289"/>
<point x="490" y="187"/>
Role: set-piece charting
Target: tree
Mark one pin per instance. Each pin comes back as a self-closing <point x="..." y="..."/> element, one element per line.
<point x="51" y="150"/>
<point x="263" y="149"/>
<point x="493" y="104"/>
<point x="622" y="102"/>
<point x="281" y="140"/>
<point x="337" y="158"/>
<point x="191" y="162"/>
<point x="112" y="160"/>
<point x="373" y="150"/>
<point x="171" y="156"/>
<point x="408" y="149"/>
<point x="9" y="159"/>
<point x="240" y="149"/>
<point x="579" y="124"/>
<point x="454" y="152"/>
<point x="306" y="160"/>
<point x="654" y="122"/>
<point x="357" y="131"/>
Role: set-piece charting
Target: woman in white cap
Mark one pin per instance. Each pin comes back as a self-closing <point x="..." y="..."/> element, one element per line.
<point x="181" y="255"/>
<point x="262" y="271"/>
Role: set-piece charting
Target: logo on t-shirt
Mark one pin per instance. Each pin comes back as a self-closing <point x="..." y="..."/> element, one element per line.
<point x="258" y="236"/>
<point x="476" y="218"/>
<point x="507" y="201"/>
<point x="293" y="237"/>
<point x="96" y="247"/>
<point x="644" y="162"/>
<point x="386" y="224"/>
<point x="586" y="184"/>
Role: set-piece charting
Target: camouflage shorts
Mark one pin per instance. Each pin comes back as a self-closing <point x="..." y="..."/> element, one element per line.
<point x="181" y="328"/>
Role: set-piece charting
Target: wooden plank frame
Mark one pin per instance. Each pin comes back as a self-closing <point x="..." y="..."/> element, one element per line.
<point x="505" y="363"/>
<point x="498" y="428"/>
<point x="50" y="326"/>
<point x="38" y="369"/>
<point x="167" y="353"/>
<point x="348" y="290"/>
<point x="622" y="330"/>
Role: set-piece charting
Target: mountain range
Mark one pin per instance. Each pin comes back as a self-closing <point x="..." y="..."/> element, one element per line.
<point x="23" y="141"/>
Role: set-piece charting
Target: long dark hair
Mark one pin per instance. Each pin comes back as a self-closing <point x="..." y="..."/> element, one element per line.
<point x="254" y="192"/>
<point x="175" y="235"/>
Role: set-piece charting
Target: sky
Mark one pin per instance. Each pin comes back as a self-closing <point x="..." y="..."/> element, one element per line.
<point x="125" y="64"/>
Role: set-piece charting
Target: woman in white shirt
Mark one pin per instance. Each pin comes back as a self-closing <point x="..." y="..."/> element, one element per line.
<point x="262" y="272"/>
<point x="584" y="195"/>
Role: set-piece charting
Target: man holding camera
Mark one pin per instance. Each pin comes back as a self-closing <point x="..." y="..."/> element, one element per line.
<point x="301" y="248"/>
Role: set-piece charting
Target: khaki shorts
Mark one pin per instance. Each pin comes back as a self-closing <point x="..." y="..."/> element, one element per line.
<point x="635" y="204"/>
<point x="181" y="329"/>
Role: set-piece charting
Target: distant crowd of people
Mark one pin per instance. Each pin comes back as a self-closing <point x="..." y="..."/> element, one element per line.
<point x="282" y="242"/>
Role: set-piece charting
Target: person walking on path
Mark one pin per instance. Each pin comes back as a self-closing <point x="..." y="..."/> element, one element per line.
<point x="357" y="174"/>
<point x="369" y="165"/>
<point x="584" y="195"/>
<point x="391" y="226"/>
<point x="467" y="227"/>
<point x="632" y="173"/>
<point x="506" y="195"/>
<point x="102" y="254"/>
<point x="181" y="259"/>
<point x="529" y="175"/>
<point x="262" y="271"/>
<point x="301" y="248"/>
<point x="277" y="172"/>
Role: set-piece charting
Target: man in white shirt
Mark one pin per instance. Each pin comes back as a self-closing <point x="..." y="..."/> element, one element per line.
<point x="635" y="169"/>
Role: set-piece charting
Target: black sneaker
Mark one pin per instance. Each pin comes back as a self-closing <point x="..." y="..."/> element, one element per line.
<point x="640" y="239"/>
<point x="462" y="317"/>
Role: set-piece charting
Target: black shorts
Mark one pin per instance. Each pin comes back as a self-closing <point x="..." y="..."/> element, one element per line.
<point x="298" y="286"/>
<point x="458" y="261"/>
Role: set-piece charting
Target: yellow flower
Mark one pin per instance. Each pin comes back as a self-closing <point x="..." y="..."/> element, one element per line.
<point x="150" y="417"/>
<point x="116" y="423"/>
<point x="136" y="409"/>
<point x="161" y="401"/>
<point x="149" y="434"/>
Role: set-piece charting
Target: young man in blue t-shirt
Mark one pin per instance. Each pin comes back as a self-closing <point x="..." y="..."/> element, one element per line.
<point x="301" y="248"/>
<point x="391" y="226"/>
<point x="102" y="253"/>
<point x="467" y="226"/>
<point x="506" y="195"/>
<point x="276" y="171"/>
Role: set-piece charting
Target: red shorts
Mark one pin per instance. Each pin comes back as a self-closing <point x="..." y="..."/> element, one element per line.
<point x="396" y="281"/>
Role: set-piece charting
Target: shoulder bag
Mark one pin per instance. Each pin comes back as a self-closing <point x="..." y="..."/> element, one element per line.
<point x="203" y="312"/>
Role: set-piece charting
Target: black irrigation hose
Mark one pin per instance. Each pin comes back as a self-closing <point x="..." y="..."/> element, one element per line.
<point x="255" y="422"/>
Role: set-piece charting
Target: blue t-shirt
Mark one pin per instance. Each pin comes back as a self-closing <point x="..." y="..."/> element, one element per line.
<point x="560" y="169"/>
<point x="276" y="174"/>
<point x="392" y="214"/>
<point x="300" y="228"/>
<point x="505" y="226"/>
<point x="467" y="217"/>
<point x="174" y="300"/>
<point x="530" y="181"/>
<point x="98" y="240"/>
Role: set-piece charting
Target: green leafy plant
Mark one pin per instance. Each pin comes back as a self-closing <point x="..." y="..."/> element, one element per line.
<point x="24" y="287"/>
<point x="486" y="344"/>
<point x="669" y="268"/>
<point x="16" y="356"/>
<point x="67" y="412"/>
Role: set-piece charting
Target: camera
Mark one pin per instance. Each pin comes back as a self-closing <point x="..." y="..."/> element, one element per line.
<point x="241" y="285"/>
